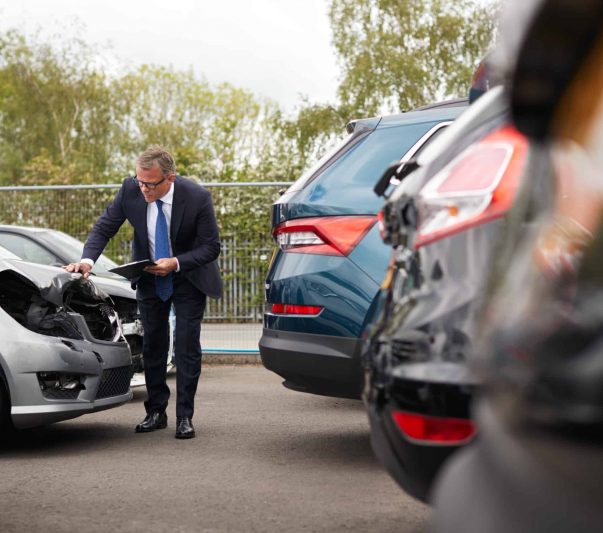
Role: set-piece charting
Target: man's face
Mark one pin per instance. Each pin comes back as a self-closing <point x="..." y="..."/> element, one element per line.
<point x="153" y="176"/>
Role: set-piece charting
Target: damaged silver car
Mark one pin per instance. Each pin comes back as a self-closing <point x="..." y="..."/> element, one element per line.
<point x="63" y="352"/>
<point x="50" y="247"/>
<point x="47" y="246"/>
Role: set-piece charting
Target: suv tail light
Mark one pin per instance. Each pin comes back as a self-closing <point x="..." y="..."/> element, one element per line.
<point x="323" y="235"/>
<point x="478" y="186"/>
<point x="434" y="429"/>
<point x="293" y="309"/>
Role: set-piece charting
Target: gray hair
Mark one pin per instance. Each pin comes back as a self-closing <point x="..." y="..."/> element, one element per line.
<point x="157" y="156"/>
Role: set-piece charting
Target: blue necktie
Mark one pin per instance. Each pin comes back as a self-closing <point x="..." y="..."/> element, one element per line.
<point x="163" y="284"/>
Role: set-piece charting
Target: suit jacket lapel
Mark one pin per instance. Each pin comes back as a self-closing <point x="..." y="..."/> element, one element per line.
<point x="177" y="209"/>
<point x="140" y="222"/>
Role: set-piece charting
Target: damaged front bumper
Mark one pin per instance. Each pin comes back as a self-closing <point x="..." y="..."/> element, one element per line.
<point x="64" y="379"/>
<point x="63" y="352"/>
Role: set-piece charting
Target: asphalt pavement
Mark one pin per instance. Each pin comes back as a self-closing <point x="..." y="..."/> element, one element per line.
<point x="265" y="459"/>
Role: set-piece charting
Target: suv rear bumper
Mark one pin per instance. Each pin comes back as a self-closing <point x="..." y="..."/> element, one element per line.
<point x="318" y="364"/>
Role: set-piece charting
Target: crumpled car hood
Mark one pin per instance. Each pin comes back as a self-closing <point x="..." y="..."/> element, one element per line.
<point x="114" y="287"/>
<point x="53" y="281"/>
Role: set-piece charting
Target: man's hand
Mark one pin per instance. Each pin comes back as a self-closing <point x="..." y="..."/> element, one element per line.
<point x="163" y="266"/>
<point x="83" y="268"/>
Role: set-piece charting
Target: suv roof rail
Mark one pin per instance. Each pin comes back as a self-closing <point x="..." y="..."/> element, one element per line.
<point x="454" y="102"/>
<point x="372" y="122"/>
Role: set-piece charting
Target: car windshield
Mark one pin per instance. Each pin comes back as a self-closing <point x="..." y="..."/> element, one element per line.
<point x="6" y="254"/>
<point x="72" y="249"/>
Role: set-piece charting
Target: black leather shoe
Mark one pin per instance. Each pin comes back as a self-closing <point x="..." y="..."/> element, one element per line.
<point x="154" y="420"/>
<point x="184" y="428"/>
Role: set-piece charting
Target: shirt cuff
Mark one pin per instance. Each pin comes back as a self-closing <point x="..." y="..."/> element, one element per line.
<point x="87" y="261"/>
<point x="178" y="264"/>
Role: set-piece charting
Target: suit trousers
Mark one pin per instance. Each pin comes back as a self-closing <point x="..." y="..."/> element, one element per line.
<point x="189" y="303"/>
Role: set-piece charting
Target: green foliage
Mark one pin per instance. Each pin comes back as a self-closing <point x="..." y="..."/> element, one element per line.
<point x="55" y="112"/>
<point x="314" y="128"/>
<point x="399" y="54"/>
<point x="65" y="120"/>
<point x="160" y="106"/>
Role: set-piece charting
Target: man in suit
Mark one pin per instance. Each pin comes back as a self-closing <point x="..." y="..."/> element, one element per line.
<point x="174" y="225"/>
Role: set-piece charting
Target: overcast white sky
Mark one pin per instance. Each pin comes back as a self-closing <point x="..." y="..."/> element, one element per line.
<point x="278" y="49"/>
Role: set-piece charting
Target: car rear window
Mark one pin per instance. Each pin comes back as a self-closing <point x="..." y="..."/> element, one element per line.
<point x="311" y="173"/>
<point x="347" y="183"/>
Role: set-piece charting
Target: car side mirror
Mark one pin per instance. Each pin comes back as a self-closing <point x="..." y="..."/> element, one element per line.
<point x="394" y="174"/>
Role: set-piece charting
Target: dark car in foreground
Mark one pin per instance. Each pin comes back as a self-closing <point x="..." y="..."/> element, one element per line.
<point x="63" y="353"/>
<point x="538" y="463"/>
<point x="330" y="261"/>
<point x="444" y="221"/>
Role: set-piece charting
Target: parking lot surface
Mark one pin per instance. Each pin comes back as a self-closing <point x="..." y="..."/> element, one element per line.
<point x="265" y="459"/>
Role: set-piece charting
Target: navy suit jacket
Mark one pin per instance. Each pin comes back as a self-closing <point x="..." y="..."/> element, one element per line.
<point x="193" y="231"/>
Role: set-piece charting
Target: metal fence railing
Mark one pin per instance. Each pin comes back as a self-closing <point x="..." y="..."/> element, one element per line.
<point x="243" y="212"/>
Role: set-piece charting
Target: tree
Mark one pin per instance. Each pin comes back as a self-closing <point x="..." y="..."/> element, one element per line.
<point x="398" y="54"/>
<point x="157" y="105"/>
<point x="55" y="112"/>
<point x="216" y="133"/>
<point x="313" y="129"/>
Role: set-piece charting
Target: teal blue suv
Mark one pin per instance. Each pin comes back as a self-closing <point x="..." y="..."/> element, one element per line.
<point x="330" y="261"/>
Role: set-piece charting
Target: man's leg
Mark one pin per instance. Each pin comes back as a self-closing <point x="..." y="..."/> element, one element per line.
<point x="154" y="314"/>
<point x="189" y="303"/>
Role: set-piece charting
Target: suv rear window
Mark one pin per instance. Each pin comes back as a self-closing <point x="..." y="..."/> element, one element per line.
<point x="366" y="160"/>
<point x="350" y="179"/>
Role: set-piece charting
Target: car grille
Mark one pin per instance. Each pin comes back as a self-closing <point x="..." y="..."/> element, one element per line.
<point x="60" y="394"/>
<point x="114" y="382"/>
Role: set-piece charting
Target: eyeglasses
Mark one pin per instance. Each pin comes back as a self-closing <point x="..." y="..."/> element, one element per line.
<point x="149" y="185"/>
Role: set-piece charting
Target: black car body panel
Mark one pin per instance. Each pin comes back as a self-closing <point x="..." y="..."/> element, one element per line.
<point x="419" y="364"/>
<point x="421" y="337"/>
<point x="538" y="464"/>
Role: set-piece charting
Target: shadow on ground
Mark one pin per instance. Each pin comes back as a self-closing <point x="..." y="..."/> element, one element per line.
<point x="336" y="448"/>
<point x="62" y="439"/>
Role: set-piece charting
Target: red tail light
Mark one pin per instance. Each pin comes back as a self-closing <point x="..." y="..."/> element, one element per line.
<point x="433" y="429"/>
<point x="381" y="222"/>
<point x="478" y="186"/>
<point x="289" y="309"/>
<point x="323" y="235"/>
